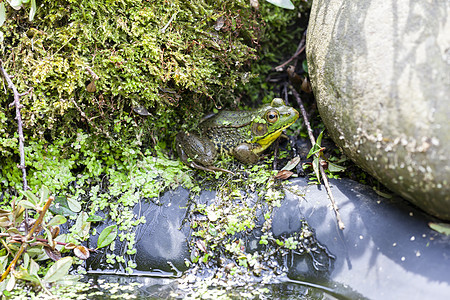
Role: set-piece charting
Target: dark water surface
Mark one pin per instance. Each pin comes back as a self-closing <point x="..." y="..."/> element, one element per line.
<point x="107" y="286"/>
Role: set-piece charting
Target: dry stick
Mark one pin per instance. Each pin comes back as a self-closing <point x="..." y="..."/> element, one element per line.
<point x="92" y="73"/>
<point x="24" y="245"/>
<point x="300" y="48"/>
<point x="18" y="106"/>
<point x="322" y="171"/>
<point x="89" y="120"/>
<point x="19" y="122"/>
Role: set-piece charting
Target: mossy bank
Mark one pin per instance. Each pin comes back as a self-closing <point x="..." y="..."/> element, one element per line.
<point x="114" y="81"/>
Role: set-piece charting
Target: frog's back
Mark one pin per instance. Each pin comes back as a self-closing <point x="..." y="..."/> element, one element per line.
<point x="227" y="129"/>
<point x="228" y="119"/>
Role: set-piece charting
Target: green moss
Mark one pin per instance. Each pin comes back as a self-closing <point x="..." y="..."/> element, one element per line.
<point x="176" y="60"/>
<point x="139" y="49"/>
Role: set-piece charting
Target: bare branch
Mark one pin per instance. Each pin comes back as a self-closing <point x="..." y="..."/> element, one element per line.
<point x="300" y="48"/>
<point x="322" y="171"/>
<point x="89" y="120"/>
<point x="18" y="106"/>
<point x="26" y="93"/>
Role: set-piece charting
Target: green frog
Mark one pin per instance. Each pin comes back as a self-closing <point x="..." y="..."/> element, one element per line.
<point x="241" y="134"/>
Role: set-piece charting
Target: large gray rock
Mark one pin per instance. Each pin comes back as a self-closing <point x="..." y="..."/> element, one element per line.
<point x="380" y="71"/>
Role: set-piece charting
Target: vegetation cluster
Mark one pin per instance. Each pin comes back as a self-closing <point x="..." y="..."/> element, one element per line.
<point x="112" y="83"/>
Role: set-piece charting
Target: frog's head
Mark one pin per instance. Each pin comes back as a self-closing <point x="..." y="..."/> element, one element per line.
<point x="270" y="121"/>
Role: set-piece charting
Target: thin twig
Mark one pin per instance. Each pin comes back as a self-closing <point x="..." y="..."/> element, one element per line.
<point x="300" y="48"/>
<point x="275" y="154"/>
<point x="163" y="30"/>
<point x="17" y="104"/>
<point x="24" y="245"/>
<point x="89" y="120"/>
<point x="322" y="171"/>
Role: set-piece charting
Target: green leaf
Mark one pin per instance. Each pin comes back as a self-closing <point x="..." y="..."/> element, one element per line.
<point x="24" y="275"/>
<point x="443" y="228"/>
<point x="35" y="251"/>
<point x="34" y="267"/>
<point x="26" y="260"/>
<point x="291" y="164"/>
<point x="32" y="10"/>
<point x="2" y="13"/>
<point x="44" y="194"/>
<point x="13" y="230"/>
<point x="2" y="266"/>
<point x="319" y="139"/>
<point x="74" y="205"/>
<point x="94" y="218"/>
<point x="305" y="65"/>
<point x="314" y="149"/>
<point x="49" y="236"/>
<point x="59" y="270"/>
<point x="82" y="227"/>
<point x="16" y="4"/>
<point x="11" y="283"/>
<point x="282" y="3"/>
<point x="31" y="197"/>
<point x="107" y="236"/>
<point x="57" y="220"/>
<point x="27" y="204"/>
<point x="335" y="168"/>
<point x="315" y="165"/>
<point x="61" y="207"/>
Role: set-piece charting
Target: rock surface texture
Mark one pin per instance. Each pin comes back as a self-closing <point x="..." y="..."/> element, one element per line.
<point x="380" y="71"/>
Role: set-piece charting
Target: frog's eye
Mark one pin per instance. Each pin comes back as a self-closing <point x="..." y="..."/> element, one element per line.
<point x="272" y="116"/>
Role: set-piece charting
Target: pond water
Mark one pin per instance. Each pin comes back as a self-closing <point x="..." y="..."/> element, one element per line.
<point x="107" y="286"/>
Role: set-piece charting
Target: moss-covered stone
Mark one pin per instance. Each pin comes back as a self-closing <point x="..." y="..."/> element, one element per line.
<point x="152" y="54"/>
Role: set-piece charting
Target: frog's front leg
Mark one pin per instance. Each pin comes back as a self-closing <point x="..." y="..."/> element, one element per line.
<point x="244" y="153"/>
<point x="197" y="152"/>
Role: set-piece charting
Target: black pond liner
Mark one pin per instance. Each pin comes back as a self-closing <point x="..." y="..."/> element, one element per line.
<point x="162" y="248"/>
<point x="387" y="250"/>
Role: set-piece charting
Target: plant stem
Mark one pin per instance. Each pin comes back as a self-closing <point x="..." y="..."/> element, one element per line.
<point x="341" y="224"/>
<point x="16" y="103"/>
<point x="24" y="245"/>
<point x="300" y="48"/>
<point x="18" y="106"/>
